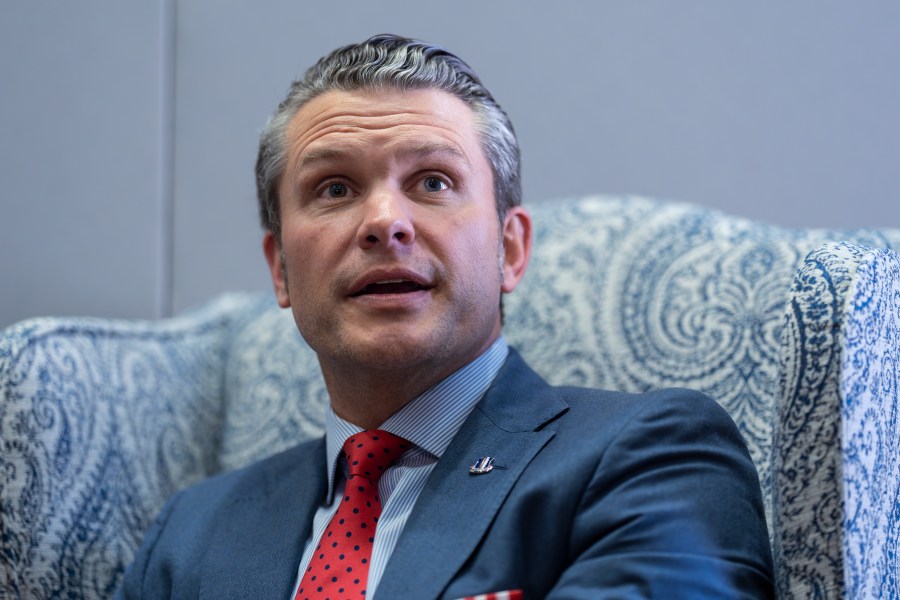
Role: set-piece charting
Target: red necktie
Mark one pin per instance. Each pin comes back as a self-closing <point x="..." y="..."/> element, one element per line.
<point x="340" y="565"/>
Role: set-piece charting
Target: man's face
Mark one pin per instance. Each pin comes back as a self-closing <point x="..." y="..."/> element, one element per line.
<point x="394" y="256"/>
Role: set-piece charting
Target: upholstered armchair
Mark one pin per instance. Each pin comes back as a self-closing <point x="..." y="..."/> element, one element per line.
<point x="795" y="332"/>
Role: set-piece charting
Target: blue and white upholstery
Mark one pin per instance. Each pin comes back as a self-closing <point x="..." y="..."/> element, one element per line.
<point x="794" y="334"/>
<point x="837" y="434"/>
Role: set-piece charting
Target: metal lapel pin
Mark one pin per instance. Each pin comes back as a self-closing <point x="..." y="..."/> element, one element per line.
<point x="485" y="464"/>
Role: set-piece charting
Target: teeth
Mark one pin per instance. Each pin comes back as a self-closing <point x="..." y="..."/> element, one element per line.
<point x="390" y="281"/>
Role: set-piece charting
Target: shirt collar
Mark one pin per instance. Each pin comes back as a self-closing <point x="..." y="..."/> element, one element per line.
<point x="431" y="420"/>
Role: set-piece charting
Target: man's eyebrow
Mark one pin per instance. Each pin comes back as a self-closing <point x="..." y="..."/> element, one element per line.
<point x="435" y="148"/>
<point x="320" y="155"/>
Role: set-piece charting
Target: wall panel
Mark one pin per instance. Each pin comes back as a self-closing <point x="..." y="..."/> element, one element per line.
<point x="80" y="159"/>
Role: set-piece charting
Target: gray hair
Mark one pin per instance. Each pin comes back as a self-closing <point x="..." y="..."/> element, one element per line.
<point x="390" y="61"/>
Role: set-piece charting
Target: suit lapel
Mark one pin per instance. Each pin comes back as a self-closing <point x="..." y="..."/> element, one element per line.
<point x="256" y="549"/>
<point x="456" y="507"/>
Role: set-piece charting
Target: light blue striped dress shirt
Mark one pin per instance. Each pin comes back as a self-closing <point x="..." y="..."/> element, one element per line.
<point x="430" y="422"/>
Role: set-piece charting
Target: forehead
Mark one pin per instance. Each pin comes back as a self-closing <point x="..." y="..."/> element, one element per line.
<point x="388" y="118"/>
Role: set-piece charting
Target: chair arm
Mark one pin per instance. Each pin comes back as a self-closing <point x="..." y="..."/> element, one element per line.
<point x="100" y="421"/>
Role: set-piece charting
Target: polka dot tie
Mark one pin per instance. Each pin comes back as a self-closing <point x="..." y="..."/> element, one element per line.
<point x="340" y="565"/>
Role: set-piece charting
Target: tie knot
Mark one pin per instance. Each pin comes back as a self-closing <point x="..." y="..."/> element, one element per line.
<point x="370" y="452"/>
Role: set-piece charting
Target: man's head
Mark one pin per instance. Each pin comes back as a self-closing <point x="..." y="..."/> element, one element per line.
<point x="383" y="234"/>
<point x="390" y="62"/>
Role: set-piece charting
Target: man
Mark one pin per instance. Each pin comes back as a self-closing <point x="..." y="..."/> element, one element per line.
<point x="389" y="191"/>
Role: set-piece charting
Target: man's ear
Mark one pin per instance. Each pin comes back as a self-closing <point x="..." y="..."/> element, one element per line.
<point x="272" y="250"/>
<point x="516" y="247"/>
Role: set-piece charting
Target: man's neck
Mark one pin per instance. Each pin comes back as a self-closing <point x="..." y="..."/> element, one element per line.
<point x="369" y="398"/>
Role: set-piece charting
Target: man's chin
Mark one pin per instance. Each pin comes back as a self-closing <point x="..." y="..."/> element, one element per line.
<point x="421" y="345"/>
<point x="391" y="351"/>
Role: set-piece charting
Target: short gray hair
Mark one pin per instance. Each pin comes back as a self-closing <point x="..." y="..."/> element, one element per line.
<point x="393" y="62"/>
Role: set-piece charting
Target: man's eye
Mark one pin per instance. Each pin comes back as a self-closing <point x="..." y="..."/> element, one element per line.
<point x="434" y="184"/>
<point x="336" y="190"/>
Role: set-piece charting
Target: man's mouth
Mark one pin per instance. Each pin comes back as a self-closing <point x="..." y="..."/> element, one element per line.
<point x="390" y="286"/>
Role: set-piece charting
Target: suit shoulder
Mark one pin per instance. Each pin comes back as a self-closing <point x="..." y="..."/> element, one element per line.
<point x="250" y="480"/>
<point x="187" y="522"/>
<point x="674" y="415"/>
<point x="676" y="402"/>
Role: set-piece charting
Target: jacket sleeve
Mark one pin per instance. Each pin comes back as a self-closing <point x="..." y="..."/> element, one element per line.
<point x="673" y="510"/>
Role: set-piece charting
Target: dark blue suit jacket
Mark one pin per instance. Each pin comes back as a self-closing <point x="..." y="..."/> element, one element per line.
<point x="594" y="495"/>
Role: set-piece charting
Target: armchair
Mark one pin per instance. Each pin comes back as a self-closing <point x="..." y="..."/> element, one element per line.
<point x="794" y="334"/>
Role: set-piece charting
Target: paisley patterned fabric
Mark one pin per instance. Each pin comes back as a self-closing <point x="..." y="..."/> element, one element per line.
<point x="275" y="395"/>
<point x="870" y="429"/>
<point x="837" y="459"/>
<point x="101" y="420"/>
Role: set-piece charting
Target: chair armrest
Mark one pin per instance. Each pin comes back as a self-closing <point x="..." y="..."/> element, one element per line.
<point x="100" y="421"/>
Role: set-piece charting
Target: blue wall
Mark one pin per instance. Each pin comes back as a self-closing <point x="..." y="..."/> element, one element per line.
<point x="128" y="131"/>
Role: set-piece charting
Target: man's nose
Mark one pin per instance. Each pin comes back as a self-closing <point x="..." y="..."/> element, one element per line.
<point x="387" y="222"/>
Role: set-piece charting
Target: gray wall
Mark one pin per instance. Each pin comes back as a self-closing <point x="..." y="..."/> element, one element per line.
<point x="81" y="159"/>
<point x="128" y="131"/>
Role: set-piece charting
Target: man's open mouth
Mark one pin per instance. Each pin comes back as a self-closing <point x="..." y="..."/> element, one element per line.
<point x="390" y="286"/>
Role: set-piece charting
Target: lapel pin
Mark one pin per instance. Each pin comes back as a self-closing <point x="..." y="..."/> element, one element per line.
<point x="485" y="464"/>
